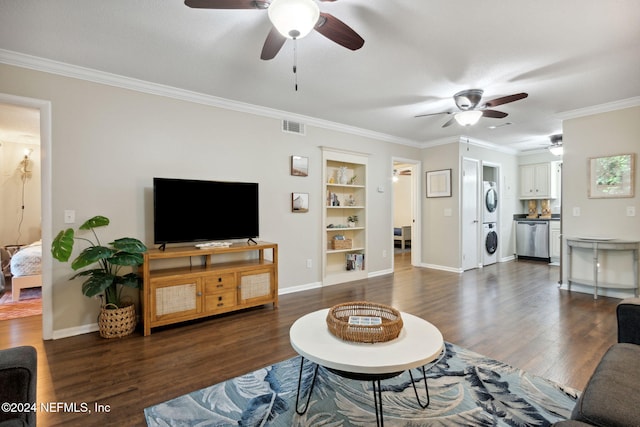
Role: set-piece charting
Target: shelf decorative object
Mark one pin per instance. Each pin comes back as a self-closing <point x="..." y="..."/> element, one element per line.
<point x="339" y="242"/>
<point x="388" y="329"/>
<point x="342" y="175"/>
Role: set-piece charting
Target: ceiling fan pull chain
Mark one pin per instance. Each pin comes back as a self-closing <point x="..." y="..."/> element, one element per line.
<point x="295" y="62"/>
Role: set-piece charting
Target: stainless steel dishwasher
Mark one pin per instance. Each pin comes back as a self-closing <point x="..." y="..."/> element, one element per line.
<point x="532" y="238"/>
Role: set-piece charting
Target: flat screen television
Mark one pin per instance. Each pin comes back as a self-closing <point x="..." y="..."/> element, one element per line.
<point x="188" y="210"/>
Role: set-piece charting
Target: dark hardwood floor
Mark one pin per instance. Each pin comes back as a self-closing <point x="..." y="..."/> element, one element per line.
<point x="513" y="312"/>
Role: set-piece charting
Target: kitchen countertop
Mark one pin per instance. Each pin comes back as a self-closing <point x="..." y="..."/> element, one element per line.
<point x="523" y="217"/>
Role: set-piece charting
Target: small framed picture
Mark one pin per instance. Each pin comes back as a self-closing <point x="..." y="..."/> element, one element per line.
<point x="612" y="176"/>
<point x="299" y="202"/>
<point x="439" y="183"/>
<point x="299" y="166"/>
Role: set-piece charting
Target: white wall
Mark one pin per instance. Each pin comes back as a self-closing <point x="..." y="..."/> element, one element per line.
<point x="616" y="132"/>
<point x="19" y="195"/>
<point x="109" y="142"/>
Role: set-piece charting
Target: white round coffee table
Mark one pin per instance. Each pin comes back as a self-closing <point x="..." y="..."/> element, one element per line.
<point x="418" y="344"/>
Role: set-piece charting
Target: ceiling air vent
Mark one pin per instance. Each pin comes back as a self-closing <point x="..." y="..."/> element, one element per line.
<point x="292" y="127"/>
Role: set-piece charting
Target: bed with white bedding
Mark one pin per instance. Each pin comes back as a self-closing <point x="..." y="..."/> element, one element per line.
<point x="26" y="269"/>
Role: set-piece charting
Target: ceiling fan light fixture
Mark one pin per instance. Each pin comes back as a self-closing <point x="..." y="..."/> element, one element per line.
<point x="556" y="150"/>
<point x="294" y="19"/>
<point x="468" y="118"/>
<point x="556" y="145"/>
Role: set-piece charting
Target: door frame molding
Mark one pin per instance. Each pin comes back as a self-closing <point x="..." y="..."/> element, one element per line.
<point x="416" y="210"/>
<point x="44" y="107"/>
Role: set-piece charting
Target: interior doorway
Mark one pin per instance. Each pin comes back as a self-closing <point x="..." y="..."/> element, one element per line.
<point x="34" y="175"/>
<point x="405" y="210"/>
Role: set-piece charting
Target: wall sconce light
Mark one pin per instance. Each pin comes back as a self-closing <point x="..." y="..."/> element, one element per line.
<point x="25" y="163"/>
<point x="395" y="175"/>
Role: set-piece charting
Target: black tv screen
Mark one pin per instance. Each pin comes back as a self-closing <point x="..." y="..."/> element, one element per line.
<point x="186" y="210"/>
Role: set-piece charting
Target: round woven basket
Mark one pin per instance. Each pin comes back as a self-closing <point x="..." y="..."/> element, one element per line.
<point x="117" y="322"/>
<point x="338" y="322"/>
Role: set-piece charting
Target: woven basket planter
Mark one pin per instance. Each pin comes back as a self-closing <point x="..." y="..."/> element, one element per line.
<point x="389" y="329"/>
<point x="117" y="322"/>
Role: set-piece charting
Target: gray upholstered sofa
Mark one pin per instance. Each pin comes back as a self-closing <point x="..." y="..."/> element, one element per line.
<point x="612" y="395"/>
<point x="18" y="375"/>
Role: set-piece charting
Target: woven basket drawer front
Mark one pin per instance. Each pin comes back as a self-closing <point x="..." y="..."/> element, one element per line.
<point x="219" y="282"/>
<point x="220" y="301"/>
<point x="255" y="285"/>
<point x="175" y="299"/>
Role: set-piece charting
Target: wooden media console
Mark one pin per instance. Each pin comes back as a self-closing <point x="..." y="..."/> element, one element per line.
<point x="214" y="286"/>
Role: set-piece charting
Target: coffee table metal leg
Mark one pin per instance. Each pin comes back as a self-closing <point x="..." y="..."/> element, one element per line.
<point x="424" y="376"/>
<point x="377" y="401"/>
<point x="313" y="382"/>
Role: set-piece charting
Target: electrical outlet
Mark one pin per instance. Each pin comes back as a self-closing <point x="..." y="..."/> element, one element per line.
<point x="309" y="263"/>
<point x="384" y="253"/>
<point x="631" y="211"/>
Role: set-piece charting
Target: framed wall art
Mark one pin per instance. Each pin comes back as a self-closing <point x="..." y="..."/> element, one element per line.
<point x="299" y="166"/>
<point x="439" y="183"/>
<point x="299" y="202"/>
<point x="611" y="176"/>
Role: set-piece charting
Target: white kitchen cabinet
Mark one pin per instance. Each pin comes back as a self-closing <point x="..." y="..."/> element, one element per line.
<point x="555" y="245"/>
<point x="537" y="182"/>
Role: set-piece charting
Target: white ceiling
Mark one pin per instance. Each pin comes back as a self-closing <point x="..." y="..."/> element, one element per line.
<point x="567" y="55"/>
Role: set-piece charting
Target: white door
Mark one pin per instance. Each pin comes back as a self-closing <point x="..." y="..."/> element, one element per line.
<point x="470" y="214"/>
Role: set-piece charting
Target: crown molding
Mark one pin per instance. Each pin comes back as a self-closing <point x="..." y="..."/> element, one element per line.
<point x="598" y="109"/>
<point x="88" y="74"/>
<point x="463" y="139"/>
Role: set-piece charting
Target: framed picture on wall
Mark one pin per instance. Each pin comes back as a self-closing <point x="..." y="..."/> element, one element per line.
<point x="439" y="183"/>
<point x="299" y="166"/>
<point x="299" y="202"/>
<point x="611" y="176"/>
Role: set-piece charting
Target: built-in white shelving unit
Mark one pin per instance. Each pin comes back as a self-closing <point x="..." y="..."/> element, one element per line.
<point x="345" y="197"/>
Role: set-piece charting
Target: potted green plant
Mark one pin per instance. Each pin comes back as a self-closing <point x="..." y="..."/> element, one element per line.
<point x="104" y="280"/>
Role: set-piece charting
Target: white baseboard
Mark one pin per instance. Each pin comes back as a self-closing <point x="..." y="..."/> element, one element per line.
<point x="443" y="268"/>
<point x="299" y="288"/>
<point x="380" y="273"/>
<point x="77" y="330"/>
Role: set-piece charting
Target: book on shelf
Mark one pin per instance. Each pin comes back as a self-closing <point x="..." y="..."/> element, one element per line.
<point x="355" y="262"/>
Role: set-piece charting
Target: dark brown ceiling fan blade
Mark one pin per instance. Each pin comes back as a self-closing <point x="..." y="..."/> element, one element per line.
<point x="227" y="4"/>
<point x="449" y="122"/>
<point x="505" y="100"/>
<point x="339" y="32"/>
<point x="272" y="44"/>
<point x="434" y="114"/>
<point x="494" y="114"/>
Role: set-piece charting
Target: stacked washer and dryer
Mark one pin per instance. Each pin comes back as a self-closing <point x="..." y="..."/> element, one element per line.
<point x="490" y="223"/>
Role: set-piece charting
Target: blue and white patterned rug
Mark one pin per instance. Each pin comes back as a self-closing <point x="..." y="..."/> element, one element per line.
<point x="466" y="389"/>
